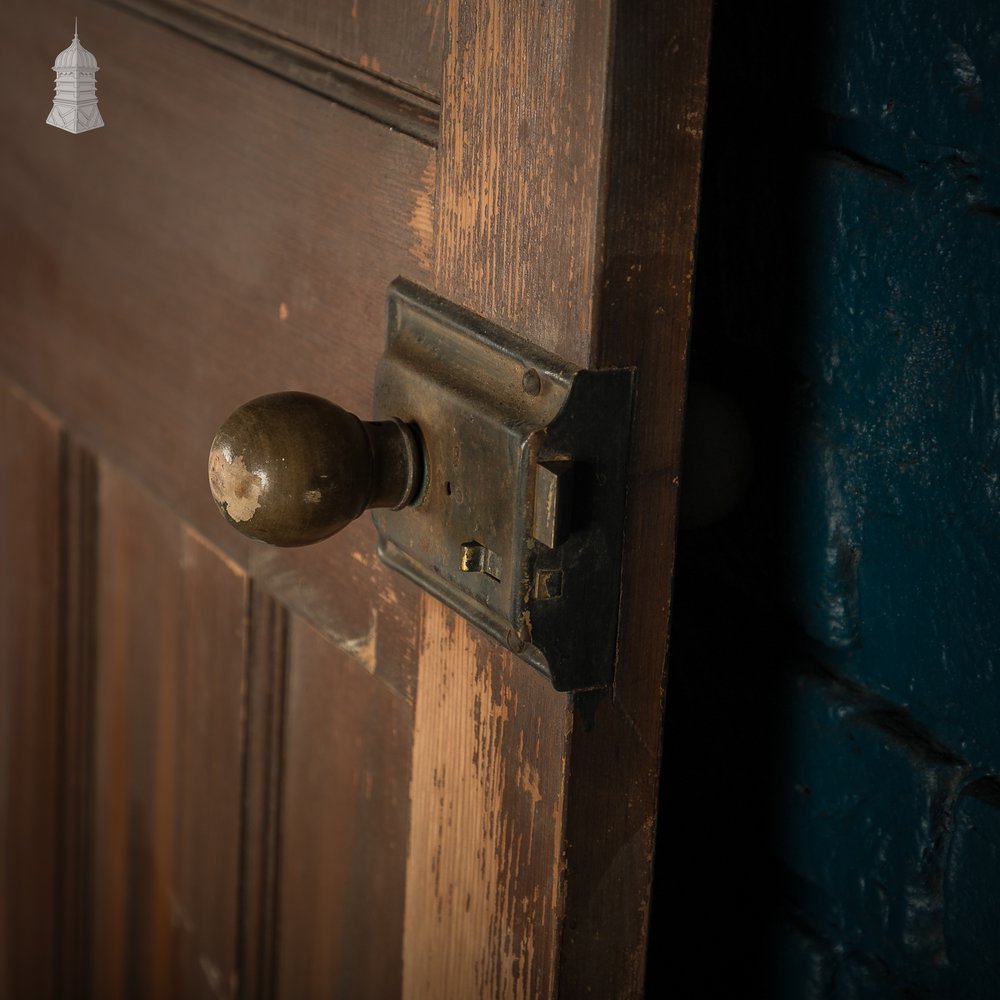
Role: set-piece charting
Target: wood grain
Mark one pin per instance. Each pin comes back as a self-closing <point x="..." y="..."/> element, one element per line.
<point x="354" y="83"/>
<point x="29" y="687"/>
<point x="644" y="313"/>
<point x="228" y="235"/>
<point x="267" y="671"/>
<point x="519" y="178"/>
<point x="236" y="238"/>
<point x="168" y="754"/>
<point x="518" y="199"/>
<point x="400" y="42"/>
<point x="567" y="192"/>
<point x="483" y="869"/>
<point x="77" y="661"/>
<point x="207" y="797"/>
<point x="643" y="310"/>
<point x="344" y="817"/>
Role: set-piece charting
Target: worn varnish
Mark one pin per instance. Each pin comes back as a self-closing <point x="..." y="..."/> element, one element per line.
<point x="486" y="830"/>
<point x="288" y="772"/>
<point x="581" y="240"/>
<point x="345" y="75"/>
<point x="519" y="172"/>
<point x="511" y="213"/>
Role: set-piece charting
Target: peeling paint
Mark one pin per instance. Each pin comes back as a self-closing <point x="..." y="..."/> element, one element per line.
<point x="465" y="790"/>
<point x="422" y="218"/>
<point x="528" y="781"/>
<point x="362" y="647"/>
<point x="235" y="488"/>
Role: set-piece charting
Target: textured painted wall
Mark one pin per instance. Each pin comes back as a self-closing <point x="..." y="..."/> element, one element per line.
<point x="830" y="824"/>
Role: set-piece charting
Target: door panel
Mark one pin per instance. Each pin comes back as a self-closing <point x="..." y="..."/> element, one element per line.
<point x="341" y="870"/>
<point x="139" y="594"/>
<point x="169" y="750"/>
<point x="297" y="774"/>
<point x="210" y="740"/>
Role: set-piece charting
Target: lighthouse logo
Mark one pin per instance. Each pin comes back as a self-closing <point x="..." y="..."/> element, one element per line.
<point x="75" y="106"/>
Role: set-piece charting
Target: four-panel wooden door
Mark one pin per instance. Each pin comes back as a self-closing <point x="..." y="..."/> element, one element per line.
<point x="234" y="771"/>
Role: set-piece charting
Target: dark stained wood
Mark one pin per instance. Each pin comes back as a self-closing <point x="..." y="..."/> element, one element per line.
<point x="138" y="609"/>
<point x="236" y="237"/>
<point x="48" y="518"/>
<point x="77" y="608"/>
<point x="344" y="818"/>
<point x="653" y="174"/>
<point x="29" y="703"/>
<point x="204" y="892"/>
<point x="360" y="604"/>
<point x="171" y="645"/>
<point x="267" y="661"/>
<point x="139" y="597"/>
<point x="360" y="89"/>
<point x="658" y="91"/>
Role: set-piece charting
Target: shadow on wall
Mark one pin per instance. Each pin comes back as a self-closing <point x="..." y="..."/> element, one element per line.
<point x="829" y="821"/>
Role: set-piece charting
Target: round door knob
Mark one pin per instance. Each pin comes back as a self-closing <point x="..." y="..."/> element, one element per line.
<point x="292" y="468"/>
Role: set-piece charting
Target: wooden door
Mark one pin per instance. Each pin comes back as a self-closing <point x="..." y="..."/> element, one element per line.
<point x="230" y="770"/>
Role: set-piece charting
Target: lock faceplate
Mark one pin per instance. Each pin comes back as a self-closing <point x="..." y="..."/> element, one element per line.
<point x="518" y="522"/>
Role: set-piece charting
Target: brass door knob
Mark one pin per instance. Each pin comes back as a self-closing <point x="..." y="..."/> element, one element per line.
<point x="291" y="468"/>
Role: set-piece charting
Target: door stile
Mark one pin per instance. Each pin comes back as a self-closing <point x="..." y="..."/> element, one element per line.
<point x="548" y="223"/>
<point x="517" y="198"/>
<point x="657" y="90"/>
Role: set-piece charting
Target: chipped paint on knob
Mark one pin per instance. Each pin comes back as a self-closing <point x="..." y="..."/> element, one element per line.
<point x="291" y="468"/>
<point x="235" y="488"/>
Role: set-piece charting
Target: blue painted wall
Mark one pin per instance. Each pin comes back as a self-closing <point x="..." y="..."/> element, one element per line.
<point x="830" y="820"/>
